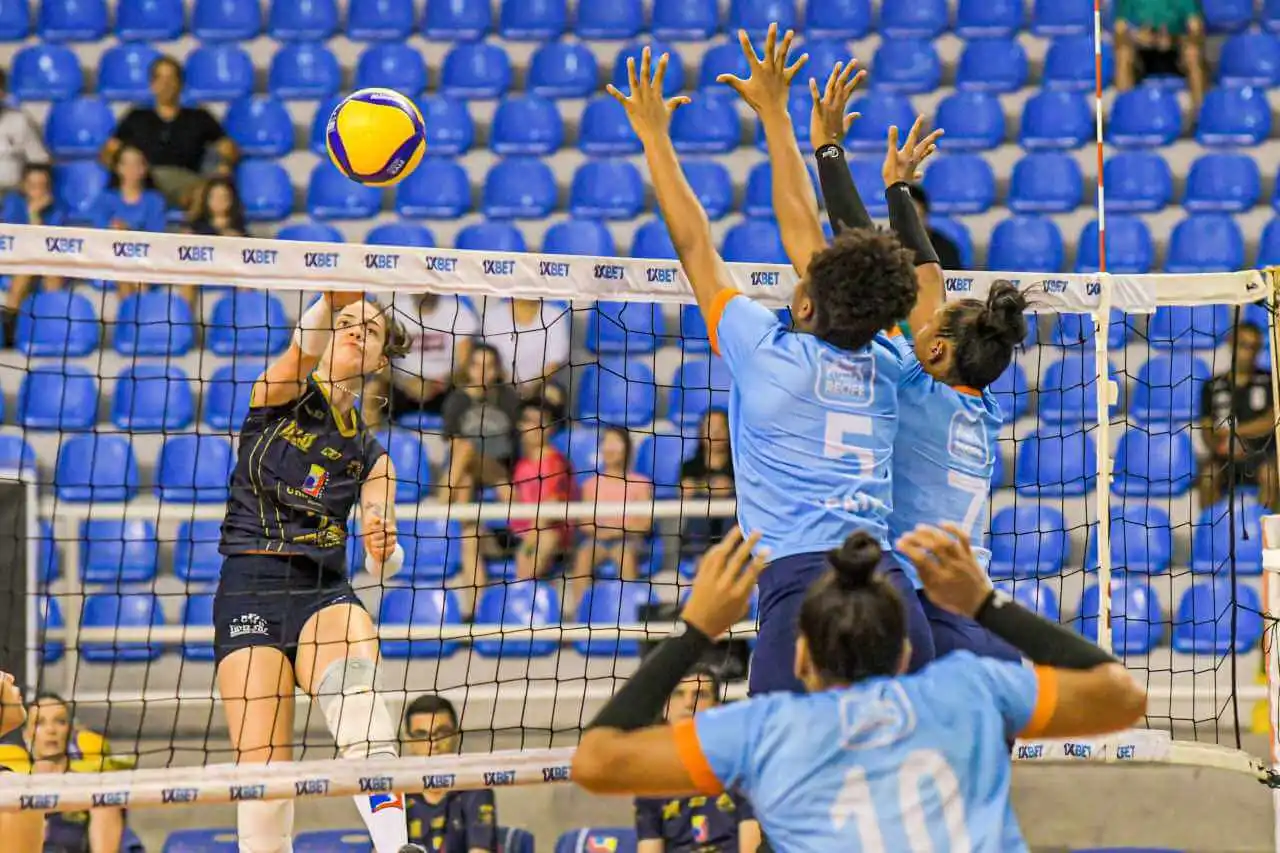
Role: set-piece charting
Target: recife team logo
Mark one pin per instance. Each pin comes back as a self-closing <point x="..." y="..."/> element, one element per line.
<point x="316" y="480"/>
<point x="600" y="844"/>
<point x="381" y="802"/>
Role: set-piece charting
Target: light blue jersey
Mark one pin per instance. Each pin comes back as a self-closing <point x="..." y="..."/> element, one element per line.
<point x="919" y="762"/>
<point x="811" y="427"/>
<point x="943" y="458"/>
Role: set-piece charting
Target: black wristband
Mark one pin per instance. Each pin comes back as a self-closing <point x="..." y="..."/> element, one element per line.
<point x="839" y="193"/>
<point x="640" y="701"/>
<point x="1044" y="642"/>
<point x="904" y="219"/>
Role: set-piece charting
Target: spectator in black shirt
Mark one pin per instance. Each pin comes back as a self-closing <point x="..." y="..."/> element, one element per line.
<point x="445" y="821"/>
<point x="948" y="252"/>
<point x="177" y="140"/>
<point x="1245" y="395"/>
<point x="708" y="474"/>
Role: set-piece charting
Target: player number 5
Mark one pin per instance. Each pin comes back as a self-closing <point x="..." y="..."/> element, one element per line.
<point x="857" y="802"/>
<point x="840" y="425"/>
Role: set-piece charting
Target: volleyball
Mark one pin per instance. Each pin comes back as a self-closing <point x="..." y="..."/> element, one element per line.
<point x="376" y="137"/>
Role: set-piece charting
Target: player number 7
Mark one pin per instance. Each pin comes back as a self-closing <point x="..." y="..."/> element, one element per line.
<point x="840" y="425"/>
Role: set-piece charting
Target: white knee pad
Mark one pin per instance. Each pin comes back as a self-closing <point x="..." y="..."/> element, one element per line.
<point x="265" y="826"/>
<point x="356" y="715"/>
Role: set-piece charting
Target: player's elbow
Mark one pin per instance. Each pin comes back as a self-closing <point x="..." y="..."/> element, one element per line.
<point x="592" y="767"/>
<point x="1126" y="699"/>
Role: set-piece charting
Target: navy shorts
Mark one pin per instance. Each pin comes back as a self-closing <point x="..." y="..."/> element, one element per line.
<point x="265" y="599"/>
<point x="953" y="632"/>
<point x="782" y="589"/>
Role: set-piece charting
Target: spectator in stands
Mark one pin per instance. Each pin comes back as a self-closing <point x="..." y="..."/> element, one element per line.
<point x="441" y="331"/>
<point x="541" y="475"/>
<point x="217" y="210"/>
<point x="1160" y="38"/>
<point x="32" y="204"/>
<point x="131" y="203"/>
<point x="20" y="142"/>
<point x="946" y="249"/>
<point x="724" y="823"/>
<point x="532" y="336"/>
<point x="616" y="539"/>
<point x="178" y="141"/>
<point x="1243" y="395"/>
<point x="445" y="821"/>
<point x="708" y="474"/>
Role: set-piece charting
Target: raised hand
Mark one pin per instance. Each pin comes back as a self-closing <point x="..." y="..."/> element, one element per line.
<point x="828" y="123"/>
<point x="649" y="112"/>
<point x="767" y="85"/>
<point x="903" y="164"/>
<point x="722" y="587"/>
<point x="950" y="573"/>
<point x="339" y="299"/>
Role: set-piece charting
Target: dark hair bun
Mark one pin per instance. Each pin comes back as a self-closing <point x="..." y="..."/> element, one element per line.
<point x="1004" y="318"/>
<point x="855" y="561"/>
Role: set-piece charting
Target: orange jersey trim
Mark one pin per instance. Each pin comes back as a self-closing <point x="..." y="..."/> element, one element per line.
<point x="1046" y="702"/>
<point x="694" y="760"/>
<point x="717" y="311"/>
<point x="965" y="389"/>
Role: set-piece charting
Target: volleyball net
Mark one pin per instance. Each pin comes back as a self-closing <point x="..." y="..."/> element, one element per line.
<point x="1113" y="475"/>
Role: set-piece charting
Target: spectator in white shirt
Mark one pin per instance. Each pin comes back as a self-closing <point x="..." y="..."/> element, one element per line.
<point x="20" y="143"/>
<point x="441" y="332"/>
<point x="531" y="337"/>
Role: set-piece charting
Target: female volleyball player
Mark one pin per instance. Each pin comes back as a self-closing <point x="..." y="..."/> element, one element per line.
<point x="851" y="760"/>
<point x="813" y="408"/>
<point x="285" y="615"/>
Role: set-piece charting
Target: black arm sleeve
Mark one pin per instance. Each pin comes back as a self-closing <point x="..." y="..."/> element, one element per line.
<point x="904" y="219"/>
<point x="844" y="206"/>
<point x="640" y="701"/>
<point x="1042" y="641"/>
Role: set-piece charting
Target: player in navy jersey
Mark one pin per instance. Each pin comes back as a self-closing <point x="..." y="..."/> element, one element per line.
<point x="812" y="408"/>
<point x="700" y="824"/>
<point x="285" y="615"/>
<point x="869" y="759"/>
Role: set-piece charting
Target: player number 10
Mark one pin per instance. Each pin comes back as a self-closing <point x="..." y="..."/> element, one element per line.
<point x="856" y="802"/>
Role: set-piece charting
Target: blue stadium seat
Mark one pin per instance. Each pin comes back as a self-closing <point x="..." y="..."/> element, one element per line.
<point x="134" y="609"/>
<point x="1141" y="540"/>
<point x="1136" y="622"/>
<point x="1046" y="182"/>
<point x="563" y="70"/>
<point x="331" y="195"/>
<point x="879" y="111"/>
<point x="1071" y="64"/>
<point x="1129" y="247"/>
<point x="651" y="240"/>
<point x="1028" y="541"/>
<point x="1150" y="464"/>
<point x="607" y="189"/>
<point x="533" y="20"/>
<point x="1137" y="182"/>
<point x="194" y="468"/>
<point x="988" y="18"/>
<point x="148" y="20"/>
<point x="519" y="188"/>
<point x="723" y="58"/>
<point x="302" y="20"/>
<point x="1167" y="388"/>
<point x="925" y="19"/>
<point x="1227" y="16"/>
<point x="96" y="468"/>
<point x="660" y="457"/>
<point x="906" y="65"/>
<point x="585" y="237"/>
<point x="393" y="66"/>
<point x="432" y="549"/>
<point x="45" y="72"/>
<point x="490" y="237"/>
<point x="755" y="16"/>
<point x="693" y="330"/>
<point x="1055" y="119"/>
<point x="197" y="612"/>
<point x="1051" y="465"/>
<point x="698" y="384"/>
<point x="249" y="322"/>
<point x="1208" y="612"/>
<point x="57" y="323"/>
<point x="51" y="620"/>
<point x="974" y="121"/>
<point x="226" y="20"/>
<point x="681" y="20"/>
<point x="607" y="604"/>
<point x="72" y="20"/>
<point x="123" y="72"/>
<point x="15" y="21"/>
<point x="226" y="397"/>
<point x="78" y="127"/>
<point x="1269" y="246"/>
<point x="115" y="551"/>
<point x="713" y="186"/>
<point x="1205" y="242"/>
<point x="457" y="20"/>
<point x="1250" y="59"/>
<point x="1271" y="16"/>
<point x="265" y="190"/>
<point x="1232" y="117"/>
<point x="1069" y="390"/>
<point x="260" y="126"/>
<point x="997" y="65"/>
<point x="79" y="184"/>
<point x="1035" y="596"/>
<point x="437" y="189"/>
<point x="1012" y="392"/>
<point x="580" y="444"/>
<point x="609" y="20"/>
<point x="417" y="607"/>
<point x="201" y="841"/>
<point x="526" y="124"/>
<point x="475" y="71"/>
<point x="380" y="20"/>
<point x="754" y="241"/>
<point x="332" y="841"/>
<point x="597" y="840"/>
<point x="960" y="183"/>
<point x="840" y="19"/>
<point x="310" y="232"/>
<point x="1145" y="117"/>
<point x="514" y="840"/>
<point x="799" y="105"/>
<point x="627" y="328"/>
<point x="758" y="199"/>
<point x="1223" y="183"/>
<point x="605" y="129"/>
<point x="522" y="604"/>
<point x="54" y="397"/>
<point x="317" y="139"/>
<point x="450" y="130"/>
<point x="195" y="553"/>
<point x="1026" y="243"/>
<point x="218" y="72"/>
<point x="1214" y="543"/>
<point x="17" y="458"/>
<point x="152" y="397"/>
<point x="617" y="391"/>
<point x="1076" y="330"/>
<point x="1054" y="18"/>
<point x="823" y="55"/>
<point x="706" y="126"/>
<point x="412" y="463"/>
<point x="1189" y="327"/>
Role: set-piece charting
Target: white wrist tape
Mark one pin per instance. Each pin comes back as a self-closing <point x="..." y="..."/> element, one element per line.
<point x="387" y="567"/>
<point x="315" y="328"/>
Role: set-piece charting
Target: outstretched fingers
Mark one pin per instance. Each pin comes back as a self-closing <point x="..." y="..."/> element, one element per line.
<point x="749" y="49"/>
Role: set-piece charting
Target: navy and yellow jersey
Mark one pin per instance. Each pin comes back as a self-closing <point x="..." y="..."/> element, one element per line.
<point x="693" y="824"/>
<point x="297" y="476"/>
<point x="462" y="821"/>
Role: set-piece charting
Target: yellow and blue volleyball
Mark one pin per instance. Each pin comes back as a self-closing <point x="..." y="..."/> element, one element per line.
<point x="376" y="137"/>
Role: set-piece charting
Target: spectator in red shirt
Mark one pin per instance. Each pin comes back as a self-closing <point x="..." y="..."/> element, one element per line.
<point x="541" y="475"/>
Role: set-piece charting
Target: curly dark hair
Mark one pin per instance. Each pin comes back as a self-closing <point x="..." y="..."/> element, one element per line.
<point x="861" y="284"/>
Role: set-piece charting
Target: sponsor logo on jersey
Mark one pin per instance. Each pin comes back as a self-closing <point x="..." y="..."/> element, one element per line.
<point x="320" y="260"/>
<point x="846" y="379"/>
<point x="381" y="260"/>
<point x="556" y="774"/>
<point x="438" y="781"/>
<point x="601" y="844"/>
<point x="331" y="453"/>
<point x="701" y="830"/>
<point x="495" y="778"/>
<point x="248" y="623"/>
<point x="355" y="468"/>
<point x="967" y="443"/>
<point x="130" y="249"/>
<point x="179" y="795"/>
<point x="553" y="269"/>
<point x="297" y="436"/>
<point x="316" y="480"/>
<point x="498" y="267"/>
<point x="114" y="799"/>
<point x="195" y="254"/>
<point x="64" y="245"/>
